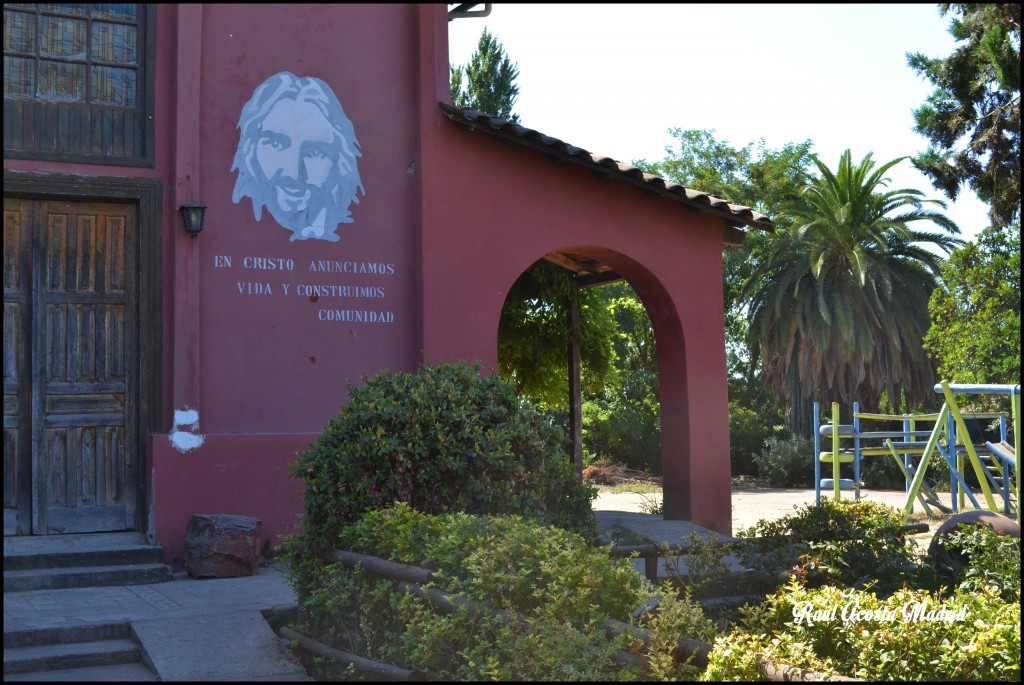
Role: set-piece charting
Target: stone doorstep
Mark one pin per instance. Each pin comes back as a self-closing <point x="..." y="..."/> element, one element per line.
<point x="29" y="580"/>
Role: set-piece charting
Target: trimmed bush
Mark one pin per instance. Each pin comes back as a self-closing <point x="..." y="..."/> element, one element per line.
<point x="554" y="586"/>
<point x="442" y="439"/>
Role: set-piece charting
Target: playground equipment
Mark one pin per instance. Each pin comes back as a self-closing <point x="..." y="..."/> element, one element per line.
<point x="994" y="464"/>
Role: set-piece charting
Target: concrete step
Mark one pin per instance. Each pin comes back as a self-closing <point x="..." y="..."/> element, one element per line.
<point x="67" y="656"/>
<point x="84" y="576"/>
<point x="123" y="673"/>
<point x="93" y="632"/>
<point x="82" y="549"/>
<point x="95" y="652"/>
<point x="128" y="554"/>
<point x="46" y="562"/>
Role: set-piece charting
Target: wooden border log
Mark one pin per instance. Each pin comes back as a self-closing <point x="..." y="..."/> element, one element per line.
<point x="362" y="663"/>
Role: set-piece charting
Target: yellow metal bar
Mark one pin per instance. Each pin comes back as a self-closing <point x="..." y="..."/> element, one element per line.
<point x="1015" y="415"/>
<point x="971" y="453"/>
<point x="933" y="440"/>
<point x="835" y="449"/>
<point x="896" y="417"/>
<point x="899" y="462"/>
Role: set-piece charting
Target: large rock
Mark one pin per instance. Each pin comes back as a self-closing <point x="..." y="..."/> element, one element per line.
<point x="222" y="545"/>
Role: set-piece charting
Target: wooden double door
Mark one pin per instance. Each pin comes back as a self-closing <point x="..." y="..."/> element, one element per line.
<point x="71" y="363"/>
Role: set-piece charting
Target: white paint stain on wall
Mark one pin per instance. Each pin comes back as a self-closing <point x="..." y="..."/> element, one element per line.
<point x="186" y="417"/>
<point x="186" y="440"/>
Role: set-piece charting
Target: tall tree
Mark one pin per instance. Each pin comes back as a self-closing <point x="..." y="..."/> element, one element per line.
<point x="975" y="331"/>
<point x="839" y="304"/>
<point x="977" y="98"/>
<point x="752" y="175"/>
<point x="489" y="80"/>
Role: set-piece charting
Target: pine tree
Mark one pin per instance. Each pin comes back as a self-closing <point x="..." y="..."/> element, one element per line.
<point x="972" y="117"/>
<point x="490" y="80"/>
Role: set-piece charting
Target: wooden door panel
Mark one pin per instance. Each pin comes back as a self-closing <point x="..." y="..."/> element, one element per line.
<point x="84" y="389"/>
<point x="17" y="378"/>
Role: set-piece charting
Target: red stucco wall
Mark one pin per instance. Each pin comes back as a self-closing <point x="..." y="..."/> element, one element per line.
<point x="455" y="216"/>
<point x="266" y="365"/>
<point x="494" y="210"/>
<point x="248" y="349"/>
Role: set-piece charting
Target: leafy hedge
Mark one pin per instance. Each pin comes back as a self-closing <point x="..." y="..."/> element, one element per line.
<point x="856" y="633"/>
<point x="848" y="542"/>
<point x="557" y="588"/>
<point x="441" y="439"/>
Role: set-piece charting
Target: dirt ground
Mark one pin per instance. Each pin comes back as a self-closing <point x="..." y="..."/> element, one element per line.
<point x="751" y="504"/>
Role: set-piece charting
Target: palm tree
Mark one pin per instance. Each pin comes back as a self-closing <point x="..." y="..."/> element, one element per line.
<point x="839" y="303"/>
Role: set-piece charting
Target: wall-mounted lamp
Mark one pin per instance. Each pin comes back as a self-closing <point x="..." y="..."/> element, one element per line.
<point x="194" y="214"/>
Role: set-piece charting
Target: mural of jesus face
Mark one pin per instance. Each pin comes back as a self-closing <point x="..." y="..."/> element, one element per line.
<point x="297" y="156"/>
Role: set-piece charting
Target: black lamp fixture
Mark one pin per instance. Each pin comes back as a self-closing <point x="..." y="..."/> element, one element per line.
<point x="194" y="214"/>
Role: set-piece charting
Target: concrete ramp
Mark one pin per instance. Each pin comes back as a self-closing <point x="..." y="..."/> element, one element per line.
<point x="237" y="645"/>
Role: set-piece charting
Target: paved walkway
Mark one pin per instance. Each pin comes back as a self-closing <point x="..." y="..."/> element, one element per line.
<point x="180" y="598"/>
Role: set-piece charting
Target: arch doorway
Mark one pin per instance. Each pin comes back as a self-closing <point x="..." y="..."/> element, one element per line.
<point x="533" y="300"/>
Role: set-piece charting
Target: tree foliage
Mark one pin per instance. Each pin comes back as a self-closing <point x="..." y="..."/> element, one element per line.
<point x="622" y="422"/>
<point x="753" y="175"/>
<point x="972" y="117"/>
<point x="839" y="304"/>
<point x="975" y="332"/>
<point x="489" y="80"/>
<point x="534" y="335"/>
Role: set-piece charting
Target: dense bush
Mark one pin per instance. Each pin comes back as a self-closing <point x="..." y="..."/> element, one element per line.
<point x="910" y="635"/>
<point x="441" y="439"/>
<point x="555" y="587"/>
<point x="748" y="431"/>
<point x="787" y="462"/>
<point x="831" y="618"/>
<point x="882" y="473"/>
<point x="623" y="431"/>
<point x="850" y="542"/>
<point x="993" y="559"/>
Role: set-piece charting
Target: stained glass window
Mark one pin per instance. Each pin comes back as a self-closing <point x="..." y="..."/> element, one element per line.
<point x="72" y="52"/>
<point x="78" y="82"/>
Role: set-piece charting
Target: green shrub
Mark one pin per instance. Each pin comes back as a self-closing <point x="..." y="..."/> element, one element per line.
<point x="882" y="473"/>
<point x="994" y="559"/>
<point x="441" y="439"/>
<point x="848" y="542"/>
<point x="787" y="462"/>
<point x="748" y="432"/>
<point x="969" y="636"/>
<point x="624" y="431"/>
<point x="556" y="588"/>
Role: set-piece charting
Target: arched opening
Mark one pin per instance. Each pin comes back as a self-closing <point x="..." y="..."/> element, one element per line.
<point x="557" y="342"/>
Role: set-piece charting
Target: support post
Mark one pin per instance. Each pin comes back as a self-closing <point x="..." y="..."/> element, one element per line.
<point x="575" y="384"/>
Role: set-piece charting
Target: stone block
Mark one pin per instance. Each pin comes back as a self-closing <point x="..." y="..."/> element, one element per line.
<point x="222" y="545"/>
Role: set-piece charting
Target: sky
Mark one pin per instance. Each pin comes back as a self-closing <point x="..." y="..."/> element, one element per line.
<point x="614" y="78"/>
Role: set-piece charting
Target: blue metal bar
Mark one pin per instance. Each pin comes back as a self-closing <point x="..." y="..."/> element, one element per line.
<point x="906" y="456"/>
<point x="817" y="455"/>
<point x="952" y="461"/>
<point x="856" y="450"/>
<point x="981" y="389"/>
